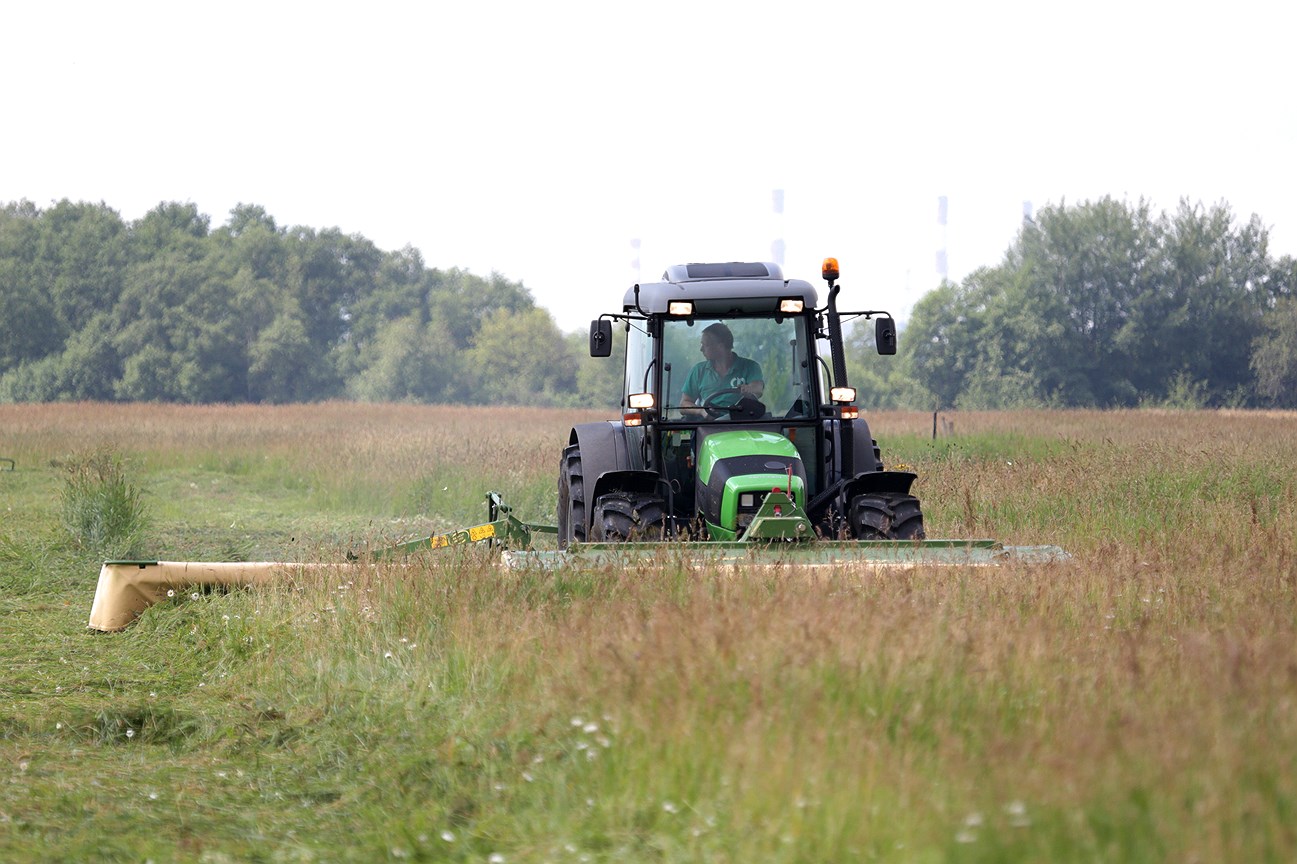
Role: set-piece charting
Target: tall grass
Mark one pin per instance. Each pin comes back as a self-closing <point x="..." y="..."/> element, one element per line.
<point x="103" y="511"/>
<point x="1134" y="703"/>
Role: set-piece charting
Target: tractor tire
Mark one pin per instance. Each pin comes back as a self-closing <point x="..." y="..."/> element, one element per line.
<point x="886" y="516"/>
<point x="625" y="516"/>
<point x="571" y="498"/>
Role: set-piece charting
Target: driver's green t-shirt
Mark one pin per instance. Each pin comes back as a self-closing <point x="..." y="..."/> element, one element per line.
<point x="703" y="380"/>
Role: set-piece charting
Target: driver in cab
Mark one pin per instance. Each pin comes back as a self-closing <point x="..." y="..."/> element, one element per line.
<point x="723" y="377"/>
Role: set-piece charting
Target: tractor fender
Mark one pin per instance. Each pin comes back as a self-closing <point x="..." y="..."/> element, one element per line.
<point x="865" y="452"/>
<point x="645" y="482"/>
<point x="605" y="459"/>
<point x="878" y="481"/>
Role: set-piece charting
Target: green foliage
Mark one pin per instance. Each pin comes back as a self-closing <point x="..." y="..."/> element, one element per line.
<point x="409" y="361"/>
<point x="1274" y="355"/>
<point x="167" y="309"/>
<point x="1105" y="304"/>
<point x="598" y="379"/>
<point x="102" y="510"/>
<point x="1099" y="304"/>
<point x="520" y="358"/>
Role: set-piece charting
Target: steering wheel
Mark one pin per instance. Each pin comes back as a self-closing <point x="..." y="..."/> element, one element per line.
<point x="713" y="410"/>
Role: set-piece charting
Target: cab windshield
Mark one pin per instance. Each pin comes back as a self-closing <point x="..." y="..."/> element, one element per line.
<point x="709" y="365"/>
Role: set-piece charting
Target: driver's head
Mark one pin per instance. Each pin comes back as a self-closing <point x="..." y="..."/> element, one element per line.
<point x="717" y="341"/>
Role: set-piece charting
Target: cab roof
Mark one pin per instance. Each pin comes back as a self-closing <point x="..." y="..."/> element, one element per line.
<point x="719" y="289"/>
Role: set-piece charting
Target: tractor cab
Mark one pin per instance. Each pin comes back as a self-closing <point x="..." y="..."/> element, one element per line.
<point x="727" y="399"/>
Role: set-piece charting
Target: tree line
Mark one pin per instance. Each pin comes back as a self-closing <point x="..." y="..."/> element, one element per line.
<point x="1103" y="304"/>
<point x="166" y="308"/>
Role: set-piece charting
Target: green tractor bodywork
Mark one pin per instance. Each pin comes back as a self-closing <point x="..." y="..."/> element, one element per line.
<point x="736" y="472"/>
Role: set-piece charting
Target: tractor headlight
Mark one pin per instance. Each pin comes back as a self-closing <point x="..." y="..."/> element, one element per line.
<point x="641" y="409"/>
<point x="791" y="306"/>
<point x="681" y="308"/>
<point x="842" y="395"/>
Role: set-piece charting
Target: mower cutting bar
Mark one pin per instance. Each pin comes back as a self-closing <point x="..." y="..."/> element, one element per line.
<point x="822" y="553"/>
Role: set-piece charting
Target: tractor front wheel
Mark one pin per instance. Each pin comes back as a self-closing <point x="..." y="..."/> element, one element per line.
<point x="623" y="516"/>
<point x="886" y="516"/>
<point x="571" y="498"/>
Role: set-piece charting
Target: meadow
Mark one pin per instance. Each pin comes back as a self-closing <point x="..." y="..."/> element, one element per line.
<point x="1135" y="703"/>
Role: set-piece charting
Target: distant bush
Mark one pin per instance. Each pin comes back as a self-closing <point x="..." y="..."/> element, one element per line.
<point x="103" y="511"/>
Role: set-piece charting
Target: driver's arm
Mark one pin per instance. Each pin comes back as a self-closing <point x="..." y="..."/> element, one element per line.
<point x="753" y="389"/>
<point x="688" y="405"/>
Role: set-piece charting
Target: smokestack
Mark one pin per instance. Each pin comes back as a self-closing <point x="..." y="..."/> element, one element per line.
<point x="943" y="265"/>
<point x="777" y="247"/>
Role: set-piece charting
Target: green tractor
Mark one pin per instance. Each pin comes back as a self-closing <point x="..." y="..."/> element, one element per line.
<point x="735" y="427"/>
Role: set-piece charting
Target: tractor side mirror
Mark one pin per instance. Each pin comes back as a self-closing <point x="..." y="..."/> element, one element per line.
<point x="885" y="335"/>
<point x="601" y="338"/>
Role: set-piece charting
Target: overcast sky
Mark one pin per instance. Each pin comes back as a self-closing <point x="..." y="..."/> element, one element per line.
<point x="539" y="139"/>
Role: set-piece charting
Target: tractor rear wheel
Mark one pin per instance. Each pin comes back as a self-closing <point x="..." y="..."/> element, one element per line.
<point x="624" y="516"/>
<point x="886" y="516"/>
<point x="571" y="498"/>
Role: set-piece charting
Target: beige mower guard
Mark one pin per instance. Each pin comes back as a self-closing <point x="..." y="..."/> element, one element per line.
<point x="127" y="588"/>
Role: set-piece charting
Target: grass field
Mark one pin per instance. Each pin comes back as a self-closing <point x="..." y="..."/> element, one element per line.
<point x="1138" y="703"/>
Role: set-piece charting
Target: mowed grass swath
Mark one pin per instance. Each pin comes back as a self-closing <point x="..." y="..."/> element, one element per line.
<point x="1135" y="703"/>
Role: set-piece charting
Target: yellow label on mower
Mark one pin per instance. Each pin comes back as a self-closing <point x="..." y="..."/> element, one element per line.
<point x="464" y="535"/>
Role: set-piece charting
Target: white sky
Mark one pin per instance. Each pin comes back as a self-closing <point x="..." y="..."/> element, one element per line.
<point x="538" y="139"/>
